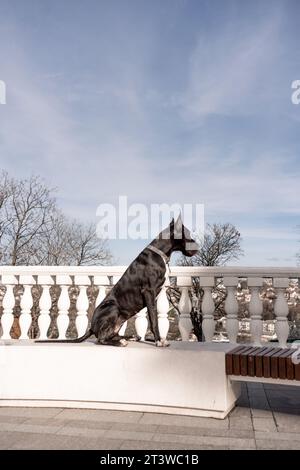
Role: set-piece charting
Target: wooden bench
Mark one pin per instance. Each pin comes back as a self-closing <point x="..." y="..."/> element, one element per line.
<point x="264" y="362"/>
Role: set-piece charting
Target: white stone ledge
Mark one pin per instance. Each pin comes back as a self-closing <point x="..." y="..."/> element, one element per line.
<point x="186" y="378"/>
<point x="216" y="271"/>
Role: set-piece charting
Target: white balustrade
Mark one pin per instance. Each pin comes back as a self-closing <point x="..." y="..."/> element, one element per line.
<point x="208" y="308"/>
<point x="281" y="310"/>
<point x="101" y="282"/>
<point x="63" y="305"/>
<point x="141" y="323"/>
<point x="231" y="308"/>
<point x="256" y="310"/>
<point x="45" y="303"/>
<point x="162" y="305"/>
<point x="82" y="304"/>
<point x="26" y="304"/>
<point x="8" y="304"/>
<point x="185" y="324"/>
<point x="45" y="276"/>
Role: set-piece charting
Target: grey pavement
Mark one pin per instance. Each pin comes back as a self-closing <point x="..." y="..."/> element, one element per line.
<point x="266" y="417"/>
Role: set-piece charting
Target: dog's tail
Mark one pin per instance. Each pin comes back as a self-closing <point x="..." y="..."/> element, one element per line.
<point x="77" y="340"/>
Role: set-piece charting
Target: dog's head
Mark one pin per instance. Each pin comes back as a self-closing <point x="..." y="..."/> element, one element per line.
<point x="180" y="237"/>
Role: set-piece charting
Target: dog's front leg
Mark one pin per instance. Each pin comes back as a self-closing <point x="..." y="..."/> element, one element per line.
<point x="152" y="313"/>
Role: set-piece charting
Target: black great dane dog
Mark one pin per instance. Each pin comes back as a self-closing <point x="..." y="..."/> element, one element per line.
<point x="139" y="287"/>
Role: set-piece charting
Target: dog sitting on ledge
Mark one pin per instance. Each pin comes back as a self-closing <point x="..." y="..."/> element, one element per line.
<point x="138" y="288"/>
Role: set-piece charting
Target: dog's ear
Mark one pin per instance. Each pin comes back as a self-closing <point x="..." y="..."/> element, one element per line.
<point x="178" y="227"/>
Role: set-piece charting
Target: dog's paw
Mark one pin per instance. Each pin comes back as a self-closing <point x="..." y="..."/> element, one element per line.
<point x="163" y="343"/>
<point x="123" y="342"/>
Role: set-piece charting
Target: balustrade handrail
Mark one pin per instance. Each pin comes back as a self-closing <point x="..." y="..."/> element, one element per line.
<point x="193" y="271"/>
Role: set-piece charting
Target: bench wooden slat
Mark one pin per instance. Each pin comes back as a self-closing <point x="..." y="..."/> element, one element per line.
<point x="236" y="359"/>
<point x="297" y="371"/>
<point x="229" y="359"/>
<point x="282" y="363"/>
<point x="267" y="362"/>
<point x="290" y="369"/>
<point x="251" y="361"/>
<point x="259" y="360"/>
<point x="244" y="360"/>
<point x="275" y="363"/>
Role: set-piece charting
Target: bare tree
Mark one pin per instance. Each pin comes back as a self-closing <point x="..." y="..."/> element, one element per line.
<point x="33" y="231"/>
<point x="27" y="214"/>
<point x="5" y="191"/>
<point x="220" y="244"/>
<point x="70" y="242"/>
<point x="85" y="246"/>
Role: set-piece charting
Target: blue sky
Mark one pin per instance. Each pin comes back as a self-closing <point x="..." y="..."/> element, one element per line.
<point x="162" y="101"/>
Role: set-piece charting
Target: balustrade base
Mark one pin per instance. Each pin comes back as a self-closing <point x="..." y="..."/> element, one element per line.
<point x="185" y="379"/>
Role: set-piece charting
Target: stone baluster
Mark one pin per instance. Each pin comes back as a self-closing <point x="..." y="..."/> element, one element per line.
<point x="231" y="308"/>
<point x="101" y="282"/>
<point x="141" y="323"/>
<point x="8" y="304"/>
<point x="162" y="305"/>
<point x="63" y="305"/>
<point x="45" y="303"/>
<point x="256" y="310"/>
<point x="208" y="308"/>
<point x="26" y="303"/>
<point x="281" y="310"/>
<point x="82" y="304"/>
<point x="185" y="306"/>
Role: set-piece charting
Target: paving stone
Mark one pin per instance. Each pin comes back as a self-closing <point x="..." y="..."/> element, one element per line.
<point x="287" y="422"/>
<point x="12" y="419"/>
<point x="204" y="431"/>
<point x="149" y="445"/>
<point x="101" y="415"/>
<point x="281" y="388"/>
<point x="264" y="424"/>
<point x="7" y="439"/>
<point x="266" y="444"/>
<point x="278" y="436"/>
<point x="33" y="441"/>
<point x="8" y="427"/>
<point x="242" y="444"/>
<point x="207" y="442"/>
<point x="30" y="412"/>
<point x="255" y="386"/>
<point x="139" y="427"/>
<point x="81" y="431"/>
<point x="192" y="440"/>
<point x="257" y="413"/>
<point x="103" y="444"/>
<point x="87" y="423"/>
<point x="286" y="410"/>
<point x="240" y="412"/>
<point x="34" y="428"/>
<point x="240" y="422"/>
<point x="259" y="403"/>
<point x="175" y="420"/>
<point x="131" y="435"/>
